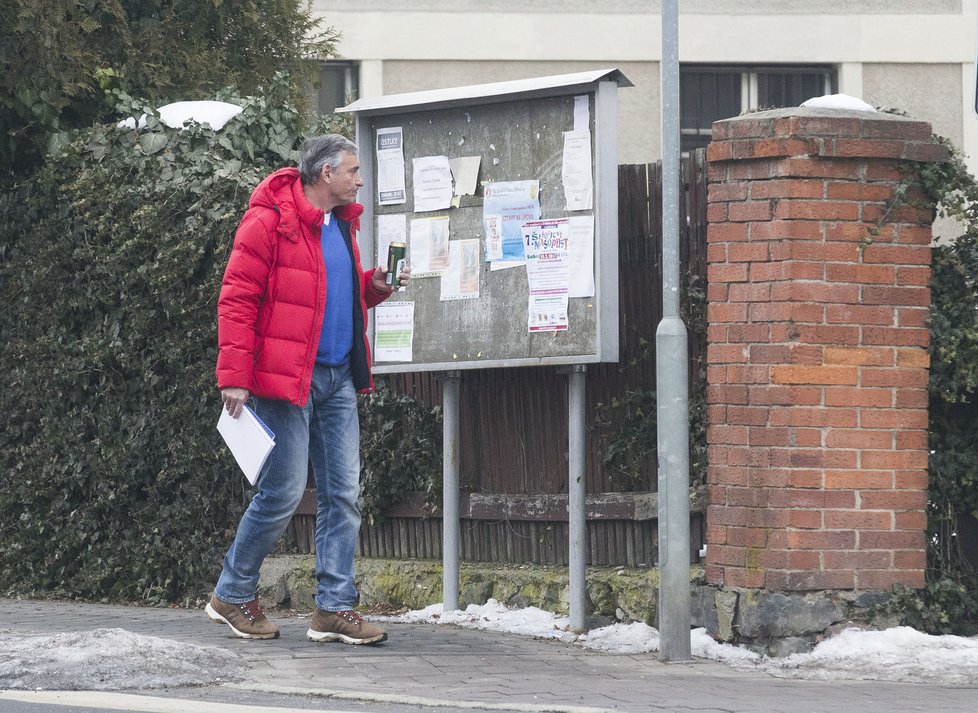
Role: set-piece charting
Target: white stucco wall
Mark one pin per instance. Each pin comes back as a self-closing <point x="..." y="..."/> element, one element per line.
<point x="917" y="55"/>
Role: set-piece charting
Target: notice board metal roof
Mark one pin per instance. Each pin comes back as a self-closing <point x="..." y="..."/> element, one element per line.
<point x="493" y="91"/>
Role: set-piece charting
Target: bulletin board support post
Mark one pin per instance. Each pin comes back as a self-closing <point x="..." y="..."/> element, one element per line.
<point x="672" y="384"/>
<point x="450" y="490"/>
<point x="577" y="525"/>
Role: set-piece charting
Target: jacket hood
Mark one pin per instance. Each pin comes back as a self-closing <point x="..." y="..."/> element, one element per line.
<point x="282" y="191"/>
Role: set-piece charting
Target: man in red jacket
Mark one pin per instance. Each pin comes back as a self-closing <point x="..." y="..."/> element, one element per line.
<point x="291" y="328"/>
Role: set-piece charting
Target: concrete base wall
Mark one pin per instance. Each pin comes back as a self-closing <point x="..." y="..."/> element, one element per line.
<point x="767" y="622"/>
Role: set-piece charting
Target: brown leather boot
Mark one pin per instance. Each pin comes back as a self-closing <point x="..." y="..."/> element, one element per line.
<point x="246" y="620"/>
<point x="346" y="626"/>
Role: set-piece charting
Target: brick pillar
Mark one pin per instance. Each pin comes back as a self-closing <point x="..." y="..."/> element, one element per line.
<point x="817" y="359"/>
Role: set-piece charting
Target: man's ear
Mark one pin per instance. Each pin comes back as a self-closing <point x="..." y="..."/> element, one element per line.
<point x="324" y="174"/>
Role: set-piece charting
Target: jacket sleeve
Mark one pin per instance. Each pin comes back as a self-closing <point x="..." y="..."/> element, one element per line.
<point x="242" y="290"/>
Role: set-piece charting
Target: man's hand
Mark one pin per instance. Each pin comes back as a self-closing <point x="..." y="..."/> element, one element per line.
<point x="379" y="279"/>
<point x="234" y="399"/>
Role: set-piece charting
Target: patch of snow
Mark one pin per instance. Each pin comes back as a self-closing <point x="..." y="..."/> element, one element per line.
<point x="175" y="115"/>
<point x="110" y="659"/>
<point x="897" y="654"/>
<point x="838" y="101"/>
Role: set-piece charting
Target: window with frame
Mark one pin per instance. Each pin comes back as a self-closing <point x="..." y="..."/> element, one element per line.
<point x="708" y="93"/>
<point x="336" y="85"/>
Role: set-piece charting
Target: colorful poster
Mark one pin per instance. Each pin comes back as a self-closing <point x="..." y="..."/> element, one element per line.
<point x="518" y="202"/>
<point x="546" y="245"/>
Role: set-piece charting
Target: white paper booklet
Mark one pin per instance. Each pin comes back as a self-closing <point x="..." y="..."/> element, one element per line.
<point x="249" y="439"/>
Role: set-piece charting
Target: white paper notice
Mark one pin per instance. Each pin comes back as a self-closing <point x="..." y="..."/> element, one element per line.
<point x="393" y="331"/>
<point x="428" y="247"/>
<point x="548" y="274"/>
<point x="576" y="170"/>
<point x="461" y="280"/>
<point x="493" y="225"/>
<point x="432" y="183"/>
<point x="582" y="113"/>
<point x="391" y="228"/>
<point x="581" y="256"/>
<point x="465" y="171"/>
<point x="390" y="166"/>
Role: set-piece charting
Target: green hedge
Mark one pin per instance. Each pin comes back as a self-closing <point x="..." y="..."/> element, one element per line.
<point x="116" y="484"/>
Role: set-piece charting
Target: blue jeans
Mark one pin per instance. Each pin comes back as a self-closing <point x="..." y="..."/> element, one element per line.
<point x="325" y="432"/>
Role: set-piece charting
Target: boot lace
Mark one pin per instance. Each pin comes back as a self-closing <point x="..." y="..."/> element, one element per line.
<point x="251" y="609"/>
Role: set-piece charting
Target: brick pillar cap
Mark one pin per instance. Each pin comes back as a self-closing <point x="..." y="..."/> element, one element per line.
<point x="820" y="131"/>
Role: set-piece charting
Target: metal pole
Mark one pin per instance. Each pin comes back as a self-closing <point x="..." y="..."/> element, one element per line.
<point x="450" y="488"/>
<point x="577" y="526"/>
<point x="672" y="384"/>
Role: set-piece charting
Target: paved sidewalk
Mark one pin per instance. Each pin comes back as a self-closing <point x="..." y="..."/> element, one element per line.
<point x="429" y="665"/>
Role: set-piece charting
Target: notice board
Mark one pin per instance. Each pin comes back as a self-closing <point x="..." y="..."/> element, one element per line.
<point x="504" y="193"/>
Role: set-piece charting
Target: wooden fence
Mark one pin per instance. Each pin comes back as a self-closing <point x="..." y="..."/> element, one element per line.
<point x="513" y="439"/>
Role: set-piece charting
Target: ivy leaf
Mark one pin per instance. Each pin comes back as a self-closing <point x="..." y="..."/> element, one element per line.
<point x="152" y="143"/>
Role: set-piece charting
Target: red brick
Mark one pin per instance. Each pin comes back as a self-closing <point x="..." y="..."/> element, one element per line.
<point x="898" y="254"/>
<point x="784" y="188"/>
<point x="813" y="168"/>
<point x="913" y="316"/>
<point x="910" y="559"/>
<point x="847" y="396"/>
<point x="786" y="395"/>
<point x="729" y="435"/>
<point x="893" y="377"/>
<point x="911" y="439"/>
<point x="743" y="578"/>
<point x="748" y="415"/>
<point x="859" y="191"/>
<point x="910" y="296"/>
<point x="892" y="418"/>
<point x="875" y="559"/>
<point x="719" y="192"/>
<point x="894" y="500"/>
<point x="748" y="252"/>
<point x="799" y="478"/>
<point x="786" y="230"/>
<point x="860" y="314"/>
<point x="858" y="438"/>
<point x="729" y="475"/>
<point x="900" y="460"/>
<point x="877" y="356"/>
<point x="727" y="272"/>
<point x="814" y="375"/>
<point x="913" y="276"/>
<point x="718" y="232"/>
<point x="910" y="521"/>
<point x="749" y="211"/>
<point x="816" y="210"/>
<point x="749" y="333"/>
<point x="770" y="437"/>
<point x="722" y="393"/>
<point x="921" y="235"/>
<point x="806" y="519"/>
<point x="896" y="336"/>
<point x="857" y="519"/>
<point x="726" y="354"/>
<point x="869" y="274"/>
<point x="829" y="334"/>
<point x="886" y="579"/>
<point x="911" y="479"/>
<point x="727" y="312"/>
<point x="815" y="292"/>
<point x="858" y="479"/>
<point x="919" y="358"/>
<point x="821" y="417"/>
<point x="804" y="581"/>
<point x="891" y="540"/>
<point x="750" y="292"/>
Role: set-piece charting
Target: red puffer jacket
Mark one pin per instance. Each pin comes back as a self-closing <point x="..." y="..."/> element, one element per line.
<point x="270" y="310"/>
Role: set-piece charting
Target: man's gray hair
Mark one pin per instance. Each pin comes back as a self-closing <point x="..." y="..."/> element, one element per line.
<point x="320" y="151"/>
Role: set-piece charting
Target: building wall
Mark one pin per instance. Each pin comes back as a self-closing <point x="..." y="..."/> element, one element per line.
<point x="917" y="55"/>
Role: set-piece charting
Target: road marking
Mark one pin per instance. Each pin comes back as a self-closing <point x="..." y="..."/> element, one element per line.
<point x="142" y="704"/>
